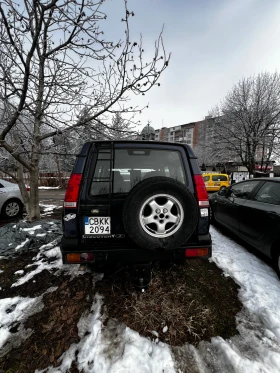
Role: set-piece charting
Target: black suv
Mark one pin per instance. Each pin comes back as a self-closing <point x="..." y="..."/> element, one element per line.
<point x="135" y="202"/>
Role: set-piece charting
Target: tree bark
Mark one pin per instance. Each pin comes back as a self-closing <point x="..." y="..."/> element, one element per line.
<point x="33" y="209"/>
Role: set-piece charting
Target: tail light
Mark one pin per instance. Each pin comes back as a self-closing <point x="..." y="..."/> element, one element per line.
<point x="72" y="191"/>
<point x="27" y="188"/>
<point x="77" y="258"/>
<point x="73" y="257"/>
<point x="201" y="192"/>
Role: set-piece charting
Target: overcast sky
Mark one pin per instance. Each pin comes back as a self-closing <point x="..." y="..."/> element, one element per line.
<point x="214" y="43"/>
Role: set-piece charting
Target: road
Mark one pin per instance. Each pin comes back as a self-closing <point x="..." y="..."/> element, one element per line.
<point x="51" y="194"/>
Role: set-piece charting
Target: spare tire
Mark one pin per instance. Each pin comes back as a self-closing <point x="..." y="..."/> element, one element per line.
<point x="160" y="213"/>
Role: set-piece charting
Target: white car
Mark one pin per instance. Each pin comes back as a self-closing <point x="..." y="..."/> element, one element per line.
<point x="11" y="201"/>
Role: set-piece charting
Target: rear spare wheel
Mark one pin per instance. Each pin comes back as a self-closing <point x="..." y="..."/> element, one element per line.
<point x="160" y="212"/>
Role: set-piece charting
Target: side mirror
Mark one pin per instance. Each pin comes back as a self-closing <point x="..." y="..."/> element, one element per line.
<point x="223" y="192"/>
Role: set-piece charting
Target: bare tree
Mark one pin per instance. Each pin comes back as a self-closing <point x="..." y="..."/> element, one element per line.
<point x="66" y="144"/>
<point x="203" y="148"/>
<point x="207" y="147"/>
<point x="121" y="128"/>
<point x="55" y="66"/>
<point x="247" y="122"/>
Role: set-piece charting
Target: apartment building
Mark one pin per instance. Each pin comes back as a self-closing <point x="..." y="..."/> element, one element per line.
<point x="209" y="148"/>
<point x="183" y="133"/>
<point x="201" y="137"/>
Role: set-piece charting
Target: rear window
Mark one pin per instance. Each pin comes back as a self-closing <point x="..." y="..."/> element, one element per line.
<point x="130" y="166"/>
<point x="206" y="178"/>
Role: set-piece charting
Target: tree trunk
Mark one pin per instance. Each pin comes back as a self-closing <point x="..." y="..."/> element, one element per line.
<point x="32" y="207"/>
<point x="31" y="198"/>
<point x="58" y="169"/>
<point x="21" y="184"/>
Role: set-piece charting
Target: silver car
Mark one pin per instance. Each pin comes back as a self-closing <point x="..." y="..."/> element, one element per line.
<point x="11" y="201"/>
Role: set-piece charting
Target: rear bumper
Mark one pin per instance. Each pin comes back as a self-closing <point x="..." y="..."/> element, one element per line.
<point x="130" y="255"/>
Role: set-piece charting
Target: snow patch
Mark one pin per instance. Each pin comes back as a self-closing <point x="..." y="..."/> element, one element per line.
<point x="13" y="310"/>
<point x="44" y="187"/>
<point x="32" y="229"/>
<point x="114" y="348"/>
<point x="49" y="207"/>
<point x="21" y="245"/>
<point x="20" y="272"/>
<point x="41" y="263"/>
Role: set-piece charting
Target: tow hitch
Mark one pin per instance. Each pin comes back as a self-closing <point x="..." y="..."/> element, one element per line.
<point x="141" y="275"/>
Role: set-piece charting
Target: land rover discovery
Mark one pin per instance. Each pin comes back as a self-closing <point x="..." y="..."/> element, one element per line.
<point x="135" y="202"/>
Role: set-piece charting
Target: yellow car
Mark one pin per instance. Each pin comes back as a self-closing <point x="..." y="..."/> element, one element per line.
<point x="215" y="181"/>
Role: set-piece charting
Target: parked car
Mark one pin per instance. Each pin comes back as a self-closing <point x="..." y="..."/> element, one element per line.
<point x="135" y="202"/>
<point x="251" y="209"/>
<point x="215" y="181"/>
<point x="11" y="201"/>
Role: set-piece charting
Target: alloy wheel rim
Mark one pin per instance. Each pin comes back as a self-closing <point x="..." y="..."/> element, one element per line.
<point x="161" y="215"/>
<point x="12" y="209"/>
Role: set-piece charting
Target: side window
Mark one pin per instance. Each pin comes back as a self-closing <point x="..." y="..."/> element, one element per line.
<point x="219" y="178"/>
<point x="269" y="193"/>
<point x="1" y="186"/>
<point x="243" y="190"/>
<point x="216" y="177"/>
<point x="223" y="178"/>
<point x="100" y="184"/>
<point x="101" y="177"/>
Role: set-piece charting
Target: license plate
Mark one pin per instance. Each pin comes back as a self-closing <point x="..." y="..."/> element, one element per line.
<point x="98" y="225"/>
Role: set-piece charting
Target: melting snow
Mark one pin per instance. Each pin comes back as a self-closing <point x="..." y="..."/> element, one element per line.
<point x="50" y="208"/>
<point x="115" y="348"/>
<point x="14" y="310"/>
<point x="46" y="251"/>
<point x="32" y="229"/>
<point x="20" y="272"/>
<point x="43" y="187"/>
<point x="22" y="244"/>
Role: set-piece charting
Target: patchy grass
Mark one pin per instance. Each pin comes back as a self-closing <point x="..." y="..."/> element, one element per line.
<point x="193" y="300"/>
